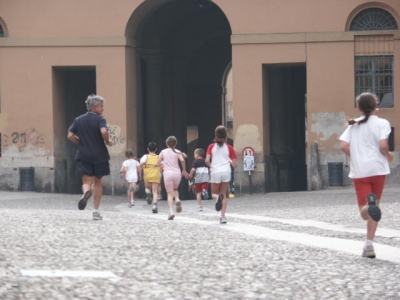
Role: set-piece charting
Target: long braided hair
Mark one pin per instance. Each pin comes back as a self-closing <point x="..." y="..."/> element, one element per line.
<point x="367" y="103"/>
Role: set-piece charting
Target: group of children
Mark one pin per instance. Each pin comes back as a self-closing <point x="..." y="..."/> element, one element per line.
<point x="213" y="166"/>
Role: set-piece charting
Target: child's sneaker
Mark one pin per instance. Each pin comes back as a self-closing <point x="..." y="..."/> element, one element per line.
<point x="171" y="215"/>
<point x="149" y="198"/>
<point x="218" y="203"/>
<point x="83" y="201"/>
<point x="222" y="220"/>
<point x="178" y="206"/>
<point x="373" y="210"/>
<point x="97" y="216"/>
<point x="369" y="252"/>
<point x="200" y="207"/>
<point x="132" y="203"/>
<point x="204" y="193"/>
<point x="154" y="209"/>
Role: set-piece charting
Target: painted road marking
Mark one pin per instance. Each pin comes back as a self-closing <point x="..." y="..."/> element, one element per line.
<point x="69" y="273"/>
<point x="384" y="252"/>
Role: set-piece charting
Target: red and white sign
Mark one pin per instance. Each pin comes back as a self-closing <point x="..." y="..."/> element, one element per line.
<point x="248" y="151"/>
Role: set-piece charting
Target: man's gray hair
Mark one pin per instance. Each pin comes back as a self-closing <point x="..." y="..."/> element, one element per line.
<point x="93" y="100"/>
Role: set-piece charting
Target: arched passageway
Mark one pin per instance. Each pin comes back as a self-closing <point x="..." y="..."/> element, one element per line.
<point x="182" y="49"/>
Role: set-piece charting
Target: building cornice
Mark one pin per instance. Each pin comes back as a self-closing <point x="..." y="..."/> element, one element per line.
<point x="306" y="37"/>
<point x="117" y="41"/>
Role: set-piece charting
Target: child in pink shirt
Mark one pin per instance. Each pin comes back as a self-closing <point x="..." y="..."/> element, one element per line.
<point x="169" y="158"/>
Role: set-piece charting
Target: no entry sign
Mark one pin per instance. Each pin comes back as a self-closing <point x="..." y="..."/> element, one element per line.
<point x="248" y="151"/>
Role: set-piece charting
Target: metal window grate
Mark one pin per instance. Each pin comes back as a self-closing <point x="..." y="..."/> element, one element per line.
<point x="375" y="74"/>
<point x="373" y="19"/>
<point x="373" y="67"/>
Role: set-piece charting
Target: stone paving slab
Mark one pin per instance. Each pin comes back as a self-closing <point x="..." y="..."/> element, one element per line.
<point x="193" y="257"/>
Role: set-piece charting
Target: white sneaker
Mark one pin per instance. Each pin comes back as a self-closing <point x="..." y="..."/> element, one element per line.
<point x="369" y="252"/>
<point x="200" y="207"/>
<point x="154" y="208"/>
<point x="171" y="215"/>
<point x="132" y="203"/>
<point x="97" y="216"/>
<point x="222" y="220"/>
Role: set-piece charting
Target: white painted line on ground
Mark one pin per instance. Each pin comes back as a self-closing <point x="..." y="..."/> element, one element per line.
<point x="317" y="224"/>
<point x="383" y="252"/>
<point x="68" y="273"/>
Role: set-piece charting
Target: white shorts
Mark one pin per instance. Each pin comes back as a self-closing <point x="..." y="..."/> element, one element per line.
<point x="131" y="179"/>
<point x="220" y="177"/>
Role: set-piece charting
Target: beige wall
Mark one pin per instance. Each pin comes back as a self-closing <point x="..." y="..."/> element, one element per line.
<point x="26" y="90"/>
<point x="42" y="34"/>
<point x="248" y="61"/>
<point x="286" y="16"/>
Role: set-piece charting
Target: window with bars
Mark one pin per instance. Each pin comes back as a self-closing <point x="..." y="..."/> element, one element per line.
<point x="373" y="57"/>
<point x="375" y="74"/>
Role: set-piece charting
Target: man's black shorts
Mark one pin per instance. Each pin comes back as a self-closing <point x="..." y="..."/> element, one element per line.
<point x="90" y="169"/>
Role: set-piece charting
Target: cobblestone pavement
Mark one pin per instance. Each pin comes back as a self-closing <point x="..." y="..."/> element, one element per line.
<point x="300" y="245"/>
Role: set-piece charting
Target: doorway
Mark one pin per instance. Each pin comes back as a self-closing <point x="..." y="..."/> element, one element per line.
<point x="71" y="87"/>
<point x="285" y="115"/>
<point x="182" y="53"/>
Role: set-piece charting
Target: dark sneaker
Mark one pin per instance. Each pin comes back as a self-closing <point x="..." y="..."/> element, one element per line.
<point x="373" y="210"/>
<point x="369" y="252"/>
<point x="154" y="209"/>
<point x="97" y="216"/>
<point x="178" y="206"/>
<point x="149" y="198"/>
<point x="83" y="201"/>
<point x="171" y="215"/>
<point x="218" y="203"/>
<point x="204" y="193"/>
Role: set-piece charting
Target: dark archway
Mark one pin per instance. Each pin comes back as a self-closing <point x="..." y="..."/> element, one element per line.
<point x="182" y="48"/>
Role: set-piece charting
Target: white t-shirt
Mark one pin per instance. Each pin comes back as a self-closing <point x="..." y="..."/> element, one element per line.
<point x="221" y="157"/>
<point x="131" y="170"/>
<point x="366" y="160"/>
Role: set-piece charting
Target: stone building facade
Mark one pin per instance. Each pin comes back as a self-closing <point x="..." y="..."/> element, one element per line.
<point x="282" y="75"/>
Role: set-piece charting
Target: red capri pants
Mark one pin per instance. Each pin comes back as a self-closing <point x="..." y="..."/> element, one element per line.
<point x="200" y="186"/>
<point x="368" y="185"/>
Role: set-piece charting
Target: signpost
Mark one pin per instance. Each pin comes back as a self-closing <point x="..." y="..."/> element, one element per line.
<point x="248" y="163"/>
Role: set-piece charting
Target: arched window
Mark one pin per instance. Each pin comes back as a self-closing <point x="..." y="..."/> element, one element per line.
<point x="373" y="19"/>
<point x="373" y="54"/>
<point x="1" y="31"/>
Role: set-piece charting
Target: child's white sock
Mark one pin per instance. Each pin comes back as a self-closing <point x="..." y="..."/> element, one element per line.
<point x="368" y="243"/>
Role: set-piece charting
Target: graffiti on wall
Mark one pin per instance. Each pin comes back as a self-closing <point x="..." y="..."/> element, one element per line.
<point x="114" y="132"/>
<point x="23" y="139"/>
